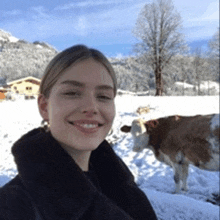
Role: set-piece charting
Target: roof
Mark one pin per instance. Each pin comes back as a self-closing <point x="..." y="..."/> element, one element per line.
<point x="24" y="79"/>
<point x="4" y="89"/>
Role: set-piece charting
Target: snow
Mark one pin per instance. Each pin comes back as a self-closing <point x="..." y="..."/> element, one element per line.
<point x="154" y="178"/>
<point x="13" y="39"/>
<point x="205" y="85"/>
<point x="183" y="84"/>
<point x="5" y="36"/>
<point x="39" y="46"/>
<point x="210" y="84"/>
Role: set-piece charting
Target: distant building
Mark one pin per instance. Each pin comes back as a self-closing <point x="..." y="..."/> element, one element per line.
<point x="3" y="92"/>
<point x="28" y="86"/>
<point x="2" y="95"/>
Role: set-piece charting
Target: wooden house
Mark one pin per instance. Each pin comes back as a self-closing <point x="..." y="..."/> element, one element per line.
<point x="2" y="95"/>
<point x="3" y="92"/>
<point x="28" y="86"/>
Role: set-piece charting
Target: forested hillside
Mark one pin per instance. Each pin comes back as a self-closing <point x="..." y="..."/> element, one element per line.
<point x="19" y="58"/>
<point x="134" y="74"/>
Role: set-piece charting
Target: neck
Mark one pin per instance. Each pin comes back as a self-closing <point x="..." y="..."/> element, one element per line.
<point x="81" y="158"/>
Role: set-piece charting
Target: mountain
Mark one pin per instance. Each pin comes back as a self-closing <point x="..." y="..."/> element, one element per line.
<point x="6" y="37"/>
<point x="20" y="58"/>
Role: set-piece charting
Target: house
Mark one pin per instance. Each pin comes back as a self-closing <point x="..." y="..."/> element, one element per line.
<point x="2" y="95"/>
<point x="28" y="86"/>
<point x="3" y="92"/>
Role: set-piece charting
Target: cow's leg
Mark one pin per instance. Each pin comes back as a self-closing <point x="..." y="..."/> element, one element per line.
<point x="180" y="176"/>
<point x="177" y="176"/>
<point x="185" y="168"/>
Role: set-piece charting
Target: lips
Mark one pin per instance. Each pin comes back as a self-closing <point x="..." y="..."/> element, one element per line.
<point x="86" y="126"/>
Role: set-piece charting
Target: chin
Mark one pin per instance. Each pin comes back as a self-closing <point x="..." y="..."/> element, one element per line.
<point x="80" y="145"/>
<point x="79" y="142"/>
<point x="89" y="146"/>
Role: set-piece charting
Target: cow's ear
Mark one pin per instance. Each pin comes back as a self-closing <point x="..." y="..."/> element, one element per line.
<point x="126" y="128"/>
<point x="151" y="124"/>
<point x="155" y="123"/>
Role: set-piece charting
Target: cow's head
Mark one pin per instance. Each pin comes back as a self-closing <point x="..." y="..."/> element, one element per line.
<point x="150" y="125"/>
<point x="139" y="131"/>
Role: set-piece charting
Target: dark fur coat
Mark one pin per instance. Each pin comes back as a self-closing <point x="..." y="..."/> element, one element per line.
<point x="51" y="186"/>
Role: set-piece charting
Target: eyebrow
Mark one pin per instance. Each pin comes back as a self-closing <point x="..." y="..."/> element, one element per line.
<point x="73" y="83"/>
<point x="81" y="85"/>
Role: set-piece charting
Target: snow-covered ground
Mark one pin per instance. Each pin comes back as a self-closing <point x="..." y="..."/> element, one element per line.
<point x="205" y="85"/>
<point x="153" y="177"/>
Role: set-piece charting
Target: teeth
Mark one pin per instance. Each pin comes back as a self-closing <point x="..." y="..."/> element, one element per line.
<point x="88" y="125"/>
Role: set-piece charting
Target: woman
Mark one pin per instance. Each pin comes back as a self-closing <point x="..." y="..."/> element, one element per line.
<point x="67" y="170"/>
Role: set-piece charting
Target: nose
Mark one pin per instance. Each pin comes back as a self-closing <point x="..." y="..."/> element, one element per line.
<point x="89" y="107"/>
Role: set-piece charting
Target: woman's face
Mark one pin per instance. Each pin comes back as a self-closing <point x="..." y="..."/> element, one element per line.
<point x="80" y="107"/>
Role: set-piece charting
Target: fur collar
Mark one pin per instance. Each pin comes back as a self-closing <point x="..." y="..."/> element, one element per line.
<point x="55" y="181"/>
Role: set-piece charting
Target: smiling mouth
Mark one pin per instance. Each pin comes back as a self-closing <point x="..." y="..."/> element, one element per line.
<point x="86" y="125"/>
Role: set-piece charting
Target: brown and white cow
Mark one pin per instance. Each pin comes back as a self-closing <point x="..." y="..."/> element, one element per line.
<point x="179" y="141"/>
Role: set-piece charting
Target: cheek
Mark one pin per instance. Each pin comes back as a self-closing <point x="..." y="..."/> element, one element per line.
<point x="56" y="111"/>
<point x="110" y="113"/>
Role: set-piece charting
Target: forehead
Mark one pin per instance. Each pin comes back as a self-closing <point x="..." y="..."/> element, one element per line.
<point x="88" y="72"/>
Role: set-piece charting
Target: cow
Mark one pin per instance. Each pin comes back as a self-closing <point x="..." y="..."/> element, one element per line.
<point x="179" y="141"/>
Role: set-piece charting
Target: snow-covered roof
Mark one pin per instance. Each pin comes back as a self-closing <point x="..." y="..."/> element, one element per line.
<point x="182" y="84"/>
<point x="203" y="85"/>
<point x="23" y="79"/>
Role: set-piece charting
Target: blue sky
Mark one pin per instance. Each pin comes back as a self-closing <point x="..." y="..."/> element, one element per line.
<point x="103" y="24"/>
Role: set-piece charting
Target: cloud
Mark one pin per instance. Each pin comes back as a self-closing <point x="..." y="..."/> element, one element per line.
<point x="212" y="12"/>
<point x="40" y="23"/>
<point x="83" y="4"/>
<point x="11" y="13"/>
<point x="92" y="4"/>
<point x="200" y="20"/>
<point x="102" y="22"/>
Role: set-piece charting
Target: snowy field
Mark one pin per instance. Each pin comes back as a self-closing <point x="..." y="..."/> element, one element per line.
<point x="153" y="177"/>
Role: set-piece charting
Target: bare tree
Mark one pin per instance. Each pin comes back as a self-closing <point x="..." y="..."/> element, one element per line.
<point x="200" y="68"/>
<point x="214" y="54"/>
<point x="214" y="45"/>
<point x="197" y="64"/>
<point x="158" y="27"/>
<point x="183" y="72"/>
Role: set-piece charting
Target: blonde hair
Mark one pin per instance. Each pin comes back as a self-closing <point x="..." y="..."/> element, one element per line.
<point x="68" y="57"/>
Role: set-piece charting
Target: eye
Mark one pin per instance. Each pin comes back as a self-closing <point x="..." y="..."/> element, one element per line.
<point x="71" y="94"/>
<point x="104" y="97"/>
